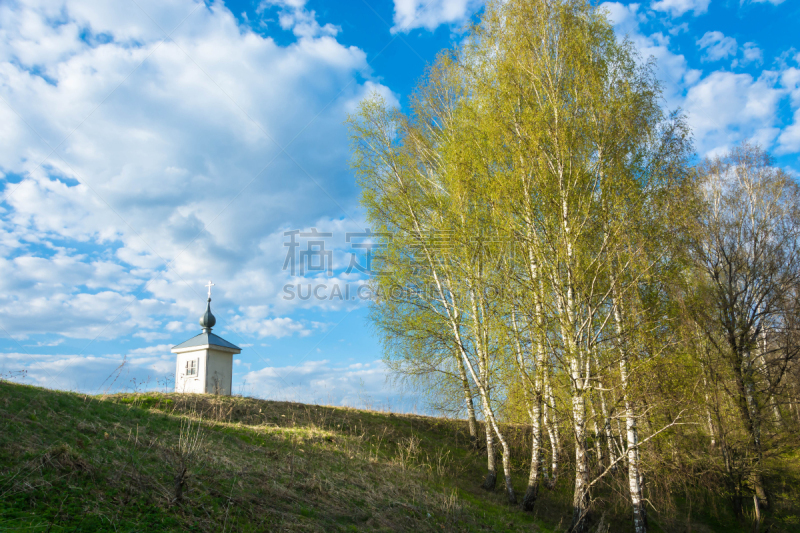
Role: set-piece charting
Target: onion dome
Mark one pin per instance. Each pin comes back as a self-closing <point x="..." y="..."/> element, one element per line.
<point x="207" y="321"/>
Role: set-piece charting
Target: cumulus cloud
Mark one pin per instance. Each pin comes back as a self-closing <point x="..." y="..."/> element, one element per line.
<point x="149" y="350"/>
<point x="723" y="108"/>
<point x="325" y="382"/>
<point x="91" y="373"/>
<point x="676" y="8"/>
<point x="136" y="166"/>
<point x="680" y="28"/>
<point x="716" y="45"/>
<point x="293" y="16"/>
<point x="254" y="321"/>
<point x="41" y="344"/>
<point x="751" y="53"/>
<point x="789" y="138"/>
<point x="411" y="14"/>
<point x="625" y="17"/>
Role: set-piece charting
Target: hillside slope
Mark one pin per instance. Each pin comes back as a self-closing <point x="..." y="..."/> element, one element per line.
<point x="71" y="462"/>
<point x="169" y="462"/>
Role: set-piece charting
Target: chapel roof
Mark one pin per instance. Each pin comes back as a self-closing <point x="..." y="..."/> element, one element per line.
<point x="206" y="338"/>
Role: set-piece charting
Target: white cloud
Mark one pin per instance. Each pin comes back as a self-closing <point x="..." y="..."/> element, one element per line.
<point x="151" y="336"/>
<point x="296" y="4"/>
<point x="167" y="152"/>
<point x="751" y="53"/>
<point x="177" y="326"/>
<point x="41" y="344"/>
<point x="789" y="139"/>
<point x="680" y="28"/>
<point x="717" y="46"/>
<point x="430" y="14"/>
<point x="324" y="382"/>
<point x="150" y="350"/>
<point x="238" y="362"/>
<point x="676" y="8"/>
<point x="725" y="108"/>
<point x="624" y="17"/>
<point x="90" y="373"/>
<point x="293" y="16"/>
<point x="255" y="322"/>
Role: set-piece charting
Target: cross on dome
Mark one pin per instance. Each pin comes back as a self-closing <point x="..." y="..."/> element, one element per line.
<point x="207" y="321"/>
<point x="209" y="285"/>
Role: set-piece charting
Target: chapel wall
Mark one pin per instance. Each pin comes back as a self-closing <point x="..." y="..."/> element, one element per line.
<point x="219" y="373"/>
<point x="191" y="384"/>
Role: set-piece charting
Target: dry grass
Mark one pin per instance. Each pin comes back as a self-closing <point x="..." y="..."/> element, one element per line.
<point x="170" y="462"/>
<point x="176" y="462"/>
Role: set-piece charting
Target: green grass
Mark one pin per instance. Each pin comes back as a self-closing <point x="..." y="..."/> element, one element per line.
<point x="77" y="463"/>
<point x="71" y="462"/>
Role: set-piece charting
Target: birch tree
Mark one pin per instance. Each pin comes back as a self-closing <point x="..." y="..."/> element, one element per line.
<point x="580" y="145"/>
<point x="410" y="191"/>
<point x="544" y="131"/>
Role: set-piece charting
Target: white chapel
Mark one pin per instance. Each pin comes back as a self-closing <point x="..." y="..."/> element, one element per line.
<point x="205" y="362"/>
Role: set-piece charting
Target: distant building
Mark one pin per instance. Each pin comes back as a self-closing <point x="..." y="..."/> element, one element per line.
<point x="205" y="362"/>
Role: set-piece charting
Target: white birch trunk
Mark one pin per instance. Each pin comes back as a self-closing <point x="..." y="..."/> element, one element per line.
<point x="483" y="365"/>
<point x="598" y="446"/>
<point x="552" y="432"/>
<point x="532" y="492"/>
<point x="580" y="499"/>
<point x="566" y="304"/>
<point x="612" y="458"/>
<point x="472" y="422"/>
<point x="632" y="451"/>
<point x="709" y="418"/>
<point x="534" y="392"/>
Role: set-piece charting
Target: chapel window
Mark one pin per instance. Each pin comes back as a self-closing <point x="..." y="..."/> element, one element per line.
<point x="191" y="367"/>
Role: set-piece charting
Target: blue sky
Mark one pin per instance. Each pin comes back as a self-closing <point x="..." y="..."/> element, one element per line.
<point x="148" y="146"/>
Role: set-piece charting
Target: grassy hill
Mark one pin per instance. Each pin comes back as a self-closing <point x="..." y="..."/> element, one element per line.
<point x="167" y="462"/>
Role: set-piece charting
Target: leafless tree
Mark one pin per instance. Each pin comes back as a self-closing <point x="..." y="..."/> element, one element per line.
<point x="745" y="246"/>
